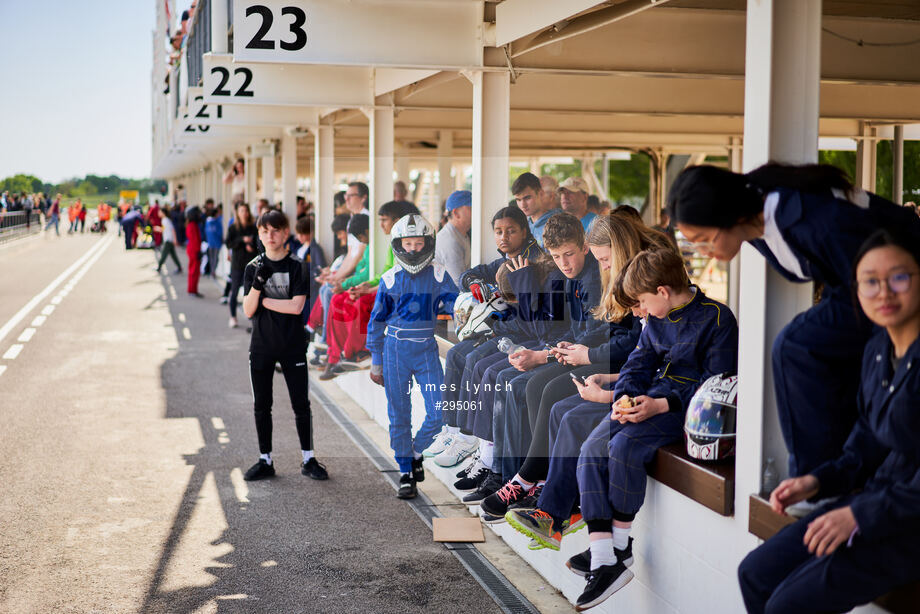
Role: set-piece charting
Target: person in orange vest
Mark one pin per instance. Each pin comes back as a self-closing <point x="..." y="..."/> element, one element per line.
<point x="72" y="213"/>
<point x="104" y="213"/>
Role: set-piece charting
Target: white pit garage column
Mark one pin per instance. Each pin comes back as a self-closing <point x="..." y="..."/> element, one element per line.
<point x="381" y="173"/>
<point x="289" y="176"/>
<point x="445" y="163"/>
<point x="324" y="180"/>
<point x="251" y="174"/>
<point x="780" y="123"/>
<point x="491" y="125"/>
<point x="268" y="176"/>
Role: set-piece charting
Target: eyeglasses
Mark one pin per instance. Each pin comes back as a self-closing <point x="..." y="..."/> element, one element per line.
<point x="706" y="246"/>
<point x="898" y="283"/>
<point x="354" y="195"/>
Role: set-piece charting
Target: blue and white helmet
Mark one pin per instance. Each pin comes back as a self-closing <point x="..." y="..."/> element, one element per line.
<point x="710" y="423"/>
<point x="408" y="226"/>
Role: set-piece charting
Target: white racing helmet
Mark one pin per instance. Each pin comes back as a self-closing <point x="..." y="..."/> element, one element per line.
<point x="463" y="305"/>
<point x="480" y="319"/>
<point x="710" y="426"/>
<point x="413" y="225"/>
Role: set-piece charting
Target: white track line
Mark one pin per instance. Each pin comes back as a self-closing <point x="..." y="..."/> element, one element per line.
<point x="38" y="298"/>
<point x="13" y="352"/>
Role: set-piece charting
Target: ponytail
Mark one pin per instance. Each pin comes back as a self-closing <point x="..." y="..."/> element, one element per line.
<point x="716" y="197"/>
<point x="815" y="178"/>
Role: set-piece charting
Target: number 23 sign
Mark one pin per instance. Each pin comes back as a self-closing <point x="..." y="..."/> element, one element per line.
<point x="395" y="33"/>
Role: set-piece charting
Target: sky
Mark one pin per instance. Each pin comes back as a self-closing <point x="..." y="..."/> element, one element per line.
<point x="76" y="87"/>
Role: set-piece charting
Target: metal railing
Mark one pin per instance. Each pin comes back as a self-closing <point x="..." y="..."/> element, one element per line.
<point x="199" y="42"/>
<point x="15" y="224"/>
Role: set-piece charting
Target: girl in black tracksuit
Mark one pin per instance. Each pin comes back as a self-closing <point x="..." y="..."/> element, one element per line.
<point x="242" y="241"/>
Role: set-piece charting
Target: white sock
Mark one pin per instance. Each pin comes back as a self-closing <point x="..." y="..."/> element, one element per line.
<point x="517" y="478"/>
<point x="486" y="453"/>
<point x="602" y="553"/>
<point x="307" y="455"/>
<point x="453" y="430"/>
<point x="620" y="537"/>
<point x="266" y="457"/>
<point x="416" y="455"/>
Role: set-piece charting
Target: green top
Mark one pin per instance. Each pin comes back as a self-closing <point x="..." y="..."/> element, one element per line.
<point x="389" y="265"/>
<point x="361" y="271"/>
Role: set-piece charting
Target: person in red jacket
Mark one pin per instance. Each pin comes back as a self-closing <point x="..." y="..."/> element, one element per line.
<point x="154" y="218"/>
<point x="193" y="249"/>
<point x="82" y="217"/>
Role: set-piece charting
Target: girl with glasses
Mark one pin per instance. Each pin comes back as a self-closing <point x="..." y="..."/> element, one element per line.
<point x="861" y="545"/>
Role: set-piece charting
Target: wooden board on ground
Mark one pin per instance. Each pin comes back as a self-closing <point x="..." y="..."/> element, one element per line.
<point x="457" y="530"/>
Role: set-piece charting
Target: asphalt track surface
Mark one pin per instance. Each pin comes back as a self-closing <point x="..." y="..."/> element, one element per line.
<point x="126" y="426"/>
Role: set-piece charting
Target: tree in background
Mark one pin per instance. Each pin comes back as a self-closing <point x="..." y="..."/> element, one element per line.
<point x="628" y="178"/>
<point x="884" y="174"/>
<point x="91" y="185"/>
<point x="21" y="183"/>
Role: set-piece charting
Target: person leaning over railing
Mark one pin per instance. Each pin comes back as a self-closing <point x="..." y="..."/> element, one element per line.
<point x="859" y="546"/>
<point x="808" y="222"/>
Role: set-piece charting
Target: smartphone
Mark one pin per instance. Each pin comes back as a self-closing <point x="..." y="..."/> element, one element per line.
<point x="578" y="378"/>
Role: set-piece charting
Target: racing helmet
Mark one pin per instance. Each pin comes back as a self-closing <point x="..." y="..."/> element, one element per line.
<point x="709" y="426"/>
<point x="412" y="225"/>
<point x="463" y="305"/>
<point x="479" y="322"/>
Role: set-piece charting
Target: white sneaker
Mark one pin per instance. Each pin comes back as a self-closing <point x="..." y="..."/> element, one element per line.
<point x="459" y="448"/>
<point x="440" y="443"/>
<point x="233" y="323"/>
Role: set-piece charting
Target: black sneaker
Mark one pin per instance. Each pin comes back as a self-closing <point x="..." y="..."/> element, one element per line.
<point x="418" y="469"/>
<point x="466" y="471"/>
<point x="530" y="501"/>
<point x="259" y="471"/>
<point x="472" y="481"/>
<point x="581" y="562"/>
<point x="497" y="503"/>
<point x="602" y="583"/>
<point x="490" y="519"/>
<point x="331" y="371"/>
<point x="490" y="484"/>
<point x="407" y="489"/>
<point x="317" y="360"/>
<point x="314" y="469"/>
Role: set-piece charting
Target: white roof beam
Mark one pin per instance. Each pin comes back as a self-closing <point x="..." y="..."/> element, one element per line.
<point x="576" y="27"/>
<point x="515" y="19"/>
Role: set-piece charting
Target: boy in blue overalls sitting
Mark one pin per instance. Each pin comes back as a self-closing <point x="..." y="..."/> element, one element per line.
<point x="400" y="337"/>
